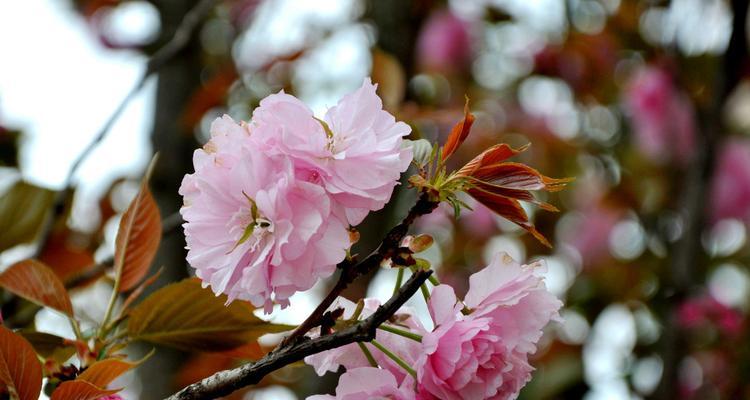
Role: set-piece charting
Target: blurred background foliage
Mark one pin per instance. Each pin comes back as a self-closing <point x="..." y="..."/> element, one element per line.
<point x="645" y="103"/>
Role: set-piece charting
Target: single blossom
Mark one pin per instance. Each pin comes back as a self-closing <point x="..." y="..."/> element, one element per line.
<point x="706" y="311"/>
<point x="351" y="356"/>
<point x="370" y="383"/>
<point x="662" y="116"/>
<point x="253" y="230"/>
<point x="730" y="190"/>
<point x="355" y="152"/>
<point x="444" y="43"/>
<point x="484" y="355"/>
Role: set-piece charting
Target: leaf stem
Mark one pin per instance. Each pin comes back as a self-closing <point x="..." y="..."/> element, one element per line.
<point x="399" y="280"/>
<point x="76" y="328"/>
<point x="425" y="293"/>
<point x="368" y="355"/>
<point x="401" y="332"/>
<point x="398" y="360"/>
<point x="110" y="308"/>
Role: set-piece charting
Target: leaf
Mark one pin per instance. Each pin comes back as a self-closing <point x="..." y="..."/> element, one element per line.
<point x="509" y="209"/>
<point x="421" y="150"/>
<point x="79" y="390"/>
<point x="50" y="346"/>
<point x="102" y="372"/>
<point x="188" y="317"/>
<point x="493" y="155"/>
<point x="67" y="253"/>
<point x="36" y="282"/>
<point x="23" y="210"/>
<point x="137" y="238"/>
<point x="459" y="133"/>
<point x="20" y="370"/>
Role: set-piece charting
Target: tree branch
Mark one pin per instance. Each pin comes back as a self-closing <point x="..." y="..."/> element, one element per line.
<point x="226" y="382"/>
<point x="684" y="266"/>
<point x="350" y="272"/>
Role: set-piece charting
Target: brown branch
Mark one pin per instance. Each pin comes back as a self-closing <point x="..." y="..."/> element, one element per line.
<point x="350" y="272"/>
<point x="226" y="382"/>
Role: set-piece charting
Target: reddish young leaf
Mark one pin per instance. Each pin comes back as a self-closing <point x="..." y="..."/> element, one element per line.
<point x="458" y="134"/>
<point x="80" y="390"/>
<point x="36" y="282"/>
<point x="493" y="155"/>
<point x="20" y="369"/>
<point x="102" y="372"/>
<point x="518" y="176"/>
<point x="509" y="209"/>
<point x="137" y="239"/>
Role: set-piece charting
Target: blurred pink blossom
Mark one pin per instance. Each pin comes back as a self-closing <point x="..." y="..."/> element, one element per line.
<point x="705" y="311"/>
<point x="662" y="116"/>
<point x="730" y="191"/>
<point x="444" y="44"/>
<point x="589" y="235"/>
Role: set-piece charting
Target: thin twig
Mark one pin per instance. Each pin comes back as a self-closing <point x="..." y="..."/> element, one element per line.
<point x="226" y="382"/>
<point x="162" y="56"/>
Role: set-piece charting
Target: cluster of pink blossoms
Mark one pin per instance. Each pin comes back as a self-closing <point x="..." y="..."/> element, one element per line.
<point x="478" y="348"/>
<point x="268" y="207"/>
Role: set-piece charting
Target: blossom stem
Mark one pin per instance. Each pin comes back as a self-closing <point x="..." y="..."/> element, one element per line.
<point x="368" y="355"/>
<point x="425" y="293"/>
<point x="399" y="279"/>
<point x="434" y="280"/>
<point x="398" y="360"/>
<point x="401" y="332"/>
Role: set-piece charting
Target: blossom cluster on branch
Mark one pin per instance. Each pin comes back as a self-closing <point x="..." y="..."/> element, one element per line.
<point x="478" y="348"/>
<point x="268" y="207"/>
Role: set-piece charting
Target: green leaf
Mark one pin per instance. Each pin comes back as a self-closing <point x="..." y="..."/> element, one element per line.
<point x="23" y="210"/>
<point x="186" y="316"/>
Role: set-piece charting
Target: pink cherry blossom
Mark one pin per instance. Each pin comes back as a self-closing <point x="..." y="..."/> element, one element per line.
<point x="351" y="355"/>
<point x="730" y="191"/>
<point x="484" y="355"/>
<point x="662" y="116"/>
<point x="354" y="152"/>
<point x="253" y="231"/>
<point x="370" y="383"/>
